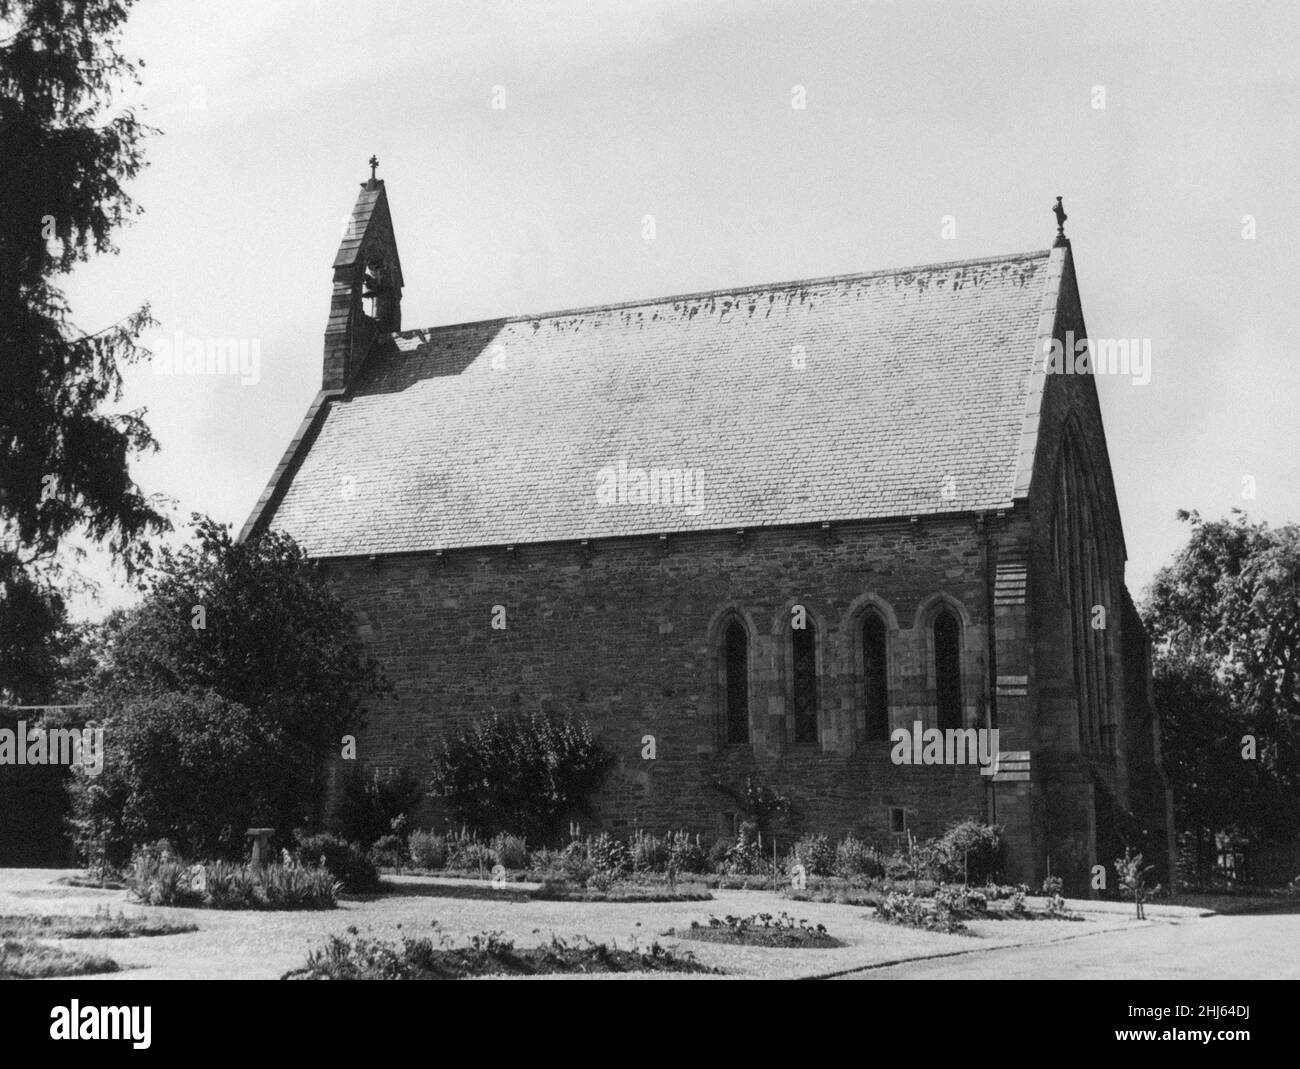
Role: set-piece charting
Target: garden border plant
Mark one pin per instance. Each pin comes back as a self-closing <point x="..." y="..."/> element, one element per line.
<point x="600" y="861"/>
<point x="283" y="885"/>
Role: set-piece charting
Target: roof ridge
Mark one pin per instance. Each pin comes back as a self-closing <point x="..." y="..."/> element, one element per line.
<point x="752" y="288"/>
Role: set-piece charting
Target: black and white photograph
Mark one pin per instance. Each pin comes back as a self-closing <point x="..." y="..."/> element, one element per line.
<point x="649" y="489"/>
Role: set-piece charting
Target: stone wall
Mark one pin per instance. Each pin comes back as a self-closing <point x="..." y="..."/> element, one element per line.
<point x="630" y="634"/>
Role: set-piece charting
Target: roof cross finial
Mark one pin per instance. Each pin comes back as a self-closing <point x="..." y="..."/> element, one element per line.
<point x="374" y="166"/>
<point x="1061" y="217"/>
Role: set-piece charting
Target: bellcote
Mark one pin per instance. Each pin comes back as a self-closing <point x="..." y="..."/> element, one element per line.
<point x="367" y="298"/>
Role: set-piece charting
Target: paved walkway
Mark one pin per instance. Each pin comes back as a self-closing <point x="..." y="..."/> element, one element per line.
<point x="1248" y="947"/>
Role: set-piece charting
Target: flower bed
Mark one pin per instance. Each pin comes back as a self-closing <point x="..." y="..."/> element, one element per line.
<point x="759" y="929"/>
<point x="487" y="954"/>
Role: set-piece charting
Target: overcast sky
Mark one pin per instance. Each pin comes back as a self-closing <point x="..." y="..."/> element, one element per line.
<point x="619" y="110"/>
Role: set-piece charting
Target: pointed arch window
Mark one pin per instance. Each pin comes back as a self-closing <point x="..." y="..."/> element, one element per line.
<point x="947" y="669"/>
<point x="735" y="684"/>
<point x="803" y="681"/>
<point x="1078" y="543"/>
<point x="875" y="673"/>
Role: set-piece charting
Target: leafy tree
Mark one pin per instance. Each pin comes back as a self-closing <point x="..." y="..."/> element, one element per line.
<point x="64" y="462"/>
<point x="257" y="629"/>
<point x="32" y="614"/>
<point x="522" y="775"/>
<point x="255" y="622"/>
<point x="1225" y="621"/>
<point x="969" y="852"/>
<point x="1216" y="791"/>
<point x="193" y="768"/>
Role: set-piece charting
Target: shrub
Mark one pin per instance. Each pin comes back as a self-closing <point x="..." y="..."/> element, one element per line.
<point x="609" y="856"/>
<point x="968" y="852"/>
<point x="510" y="851"/>
<point x="815" y="853"/>
<point x="344" y="861"/>
<point x="718" y="852"/>
<point x="853" y="857"/>
<point x="576" y="864"/>
<point x="907" y="909"/>
<point x="217" y="729"/>
<point x="649" y="852"/>
<point x="193" y="767"/>
<point x="279" y="641"/>
<point x="389" y="851"/>
<point x="902" y="908"/>
<point x="427" y="849"/>
<point x="999" y="892"/>
<point x="466" y="854"/>
<point x="960" y="901"/>
<point x="686" y="854"/>
<point x="746" y="857"/>
<point x="898" y="866"/>
<point x="1053" y="885"/>
<point x="546" y="861"/>
<point x="521" y="775"/>
<point x="377" y="802"/>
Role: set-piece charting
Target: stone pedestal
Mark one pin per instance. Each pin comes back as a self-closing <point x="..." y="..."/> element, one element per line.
<point x="261" y="837"/>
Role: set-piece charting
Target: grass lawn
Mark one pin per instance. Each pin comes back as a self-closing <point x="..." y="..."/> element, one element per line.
<point x="28" y="950"/>
<point x="266" y="945"/>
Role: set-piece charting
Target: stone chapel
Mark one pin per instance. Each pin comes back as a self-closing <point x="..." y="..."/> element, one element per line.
<point x="768" y="526"/>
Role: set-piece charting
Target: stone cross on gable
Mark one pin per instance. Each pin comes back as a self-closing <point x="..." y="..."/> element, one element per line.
<point x="1059" y="210"/>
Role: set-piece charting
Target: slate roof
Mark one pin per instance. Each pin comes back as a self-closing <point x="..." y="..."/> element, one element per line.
<point x="917" y="395"/>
